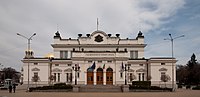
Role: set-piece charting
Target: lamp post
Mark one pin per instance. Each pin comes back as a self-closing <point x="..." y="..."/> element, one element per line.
<point x="28" y="57"/>
<point x="172" y="45"/>
<point x="2" y="73"/>
<point x="76" y="68"/>
<point x="126" y="69"/>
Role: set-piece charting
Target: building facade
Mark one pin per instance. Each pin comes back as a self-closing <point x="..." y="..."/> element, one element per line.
<point x="98" y="59"/>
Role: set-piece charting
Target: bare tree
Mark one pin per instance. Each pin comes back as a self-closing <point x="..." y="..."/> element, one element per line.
<point x="149" y="77"/>
<point x="51" y="78"/>
<point x="165" y="78"/>
<point x="35" y="79"/>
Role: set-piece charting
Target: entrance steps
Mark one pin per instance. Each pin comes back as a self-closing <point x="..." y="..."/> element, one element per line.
<point x="100" y="88"/>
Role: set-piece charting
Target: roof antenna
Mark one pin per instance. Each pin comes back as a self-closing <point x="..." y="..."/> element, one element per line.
<point x="97" y="24"/>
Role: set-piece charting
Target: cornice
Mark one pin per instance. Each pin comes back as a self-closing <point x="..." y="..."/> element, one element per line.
<point x="97" y="45"/>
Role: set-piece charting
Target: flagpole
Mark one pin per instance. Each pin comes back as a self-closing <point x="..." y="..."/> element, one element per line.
<point x="97" y="24"/>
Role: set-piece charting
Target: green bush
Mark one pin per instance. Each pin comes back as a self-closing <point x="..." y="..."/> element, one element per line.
<point x="60" y="84"/>
<point x="196" y="88"/>
<point x="180" y="86"/>
<point x="138" y="87"/>
<point x="55" y="86"/>
<point x="131" y="87"/>
<point x="188" y="87"/>
<point x="141" y="83"/>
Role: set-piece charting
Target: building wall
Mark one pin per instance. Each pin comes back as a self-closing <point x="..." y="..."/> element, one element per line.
<point x="43" y="72"/>
<point x="156" y="73"/>
<point x="84" y="51"/>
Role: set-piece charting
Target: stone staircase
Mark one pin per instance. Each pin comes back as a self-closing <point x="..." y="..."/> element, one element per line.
<point x="100" y="88"/>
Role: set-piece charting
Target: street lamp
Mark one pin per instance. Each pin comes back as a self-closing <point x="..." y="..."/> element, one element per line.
<point x="126" y="69"/>
<point x="172" y="43"/>
<point x="28" y="57"/>
<point x="76" y="68"/>
<point x="2" y="73"/>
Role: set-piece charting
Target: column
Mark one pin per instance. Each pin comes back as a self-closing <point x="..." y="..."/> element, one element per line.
<point x="104" y="78"/>
<point x="95" y="78"/>
<point x="85" y="78"/>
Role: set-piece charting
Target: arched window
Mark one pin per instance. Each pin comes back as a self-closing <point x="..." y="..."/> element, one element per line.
<point x="109" y="70"/>
<point x="99" y="70"/>
<point x="90" y="70"/>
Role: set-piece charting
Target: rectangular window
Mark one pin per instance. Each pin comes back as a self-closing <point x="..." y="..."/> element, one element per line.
<point x="139" y="76"/>
<point x="35" y="73"/>
<point x="69" y="64"/>
<point x="99" y="61"/>
<point x="142" y="76"/>
<point x="121" y="75"/>
<point x="58" y="77"/>
<point x="89" y="61"/>
<point x="141" y="64"/>
<point x="63" y="54"/>
<point x="162" y="73"/>
<point x="69" y="77"/>
<point x="78" y="74"/>
<point x="133" y="54"/>
<point x="35" y="63"/>
<point x="162" y="63"/>
<point x="131" y="77"/>
<point x="56" y="64"/>
<point x="54" y="77"/>
<point x="109" y="61"/>
<point x="70" y="54"/>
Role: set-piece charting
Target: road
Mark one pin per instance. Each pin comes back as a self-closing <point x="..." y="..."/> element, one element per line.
<point x="178" y="93"/>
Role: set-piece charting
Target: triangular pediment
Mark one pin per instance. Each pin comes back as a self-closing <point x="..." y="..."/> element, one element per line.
<point x="68" y="70"/>
<point x="141" y="70"/>
<point x="162" y="69"/>
<point x="57" y="70"/>
<point x="131" y="70"/>
<point x="35" y="69"/>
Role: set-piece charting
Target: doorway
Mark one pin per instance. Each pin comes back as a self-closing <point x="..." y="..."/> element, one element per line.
<point x="90" y="76"/>
<point x="99" y="76"/>
<point x="109" y="76"/>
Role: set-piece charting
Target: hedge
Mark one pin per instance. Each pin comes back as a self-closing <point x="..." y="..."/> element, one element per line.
<point x="141" y="83"/>
<point x="59" y="86"/>
<point x="131" y="87"/>
<point x="196" y="88"/>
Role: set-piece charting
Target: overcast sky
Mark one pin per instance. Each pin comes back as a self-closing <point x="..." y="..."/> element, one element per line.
<point x="155" y="18"/>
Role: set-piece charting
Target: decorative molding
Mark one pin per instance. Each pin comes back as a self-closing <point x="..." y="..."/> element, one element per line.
<point x="141" y="70"/>
<point x="162" y="69"/>
<point x="68" y="70"/>
<point x="98" y="38"/>
<point x="35" y="69"/>
<point x="131" y="70"/>
<point x="57" y="70"/>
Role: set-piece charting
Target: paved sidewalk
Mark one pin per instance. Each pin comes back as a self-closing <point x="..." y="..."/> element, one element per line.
<point x="178" y="93"/>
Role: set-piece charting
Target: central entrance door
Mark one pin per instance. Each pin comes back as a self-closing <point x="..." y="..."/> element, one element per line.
<point x="90" y="76"/>
<point x="109" y="76"/>
<point x="99" y="76"/>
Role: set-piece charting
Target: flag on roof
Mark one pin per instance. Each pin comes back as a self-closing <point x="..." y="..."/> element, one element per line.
<point x="93" y="66"/>
<point x="103" y="66"/>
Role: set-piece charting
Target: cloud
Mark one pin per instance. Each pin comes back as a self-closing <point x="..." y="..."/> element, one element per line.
<point x="75" y="16"/>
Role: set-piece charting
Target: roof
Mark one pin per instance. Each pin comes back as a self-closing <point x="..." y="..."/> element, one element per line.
<point x="162" y="58"/>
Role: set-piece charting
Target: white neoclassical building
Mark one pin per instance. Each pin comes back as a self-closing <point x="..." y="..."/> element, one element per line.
<point x="99" y="58"/>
